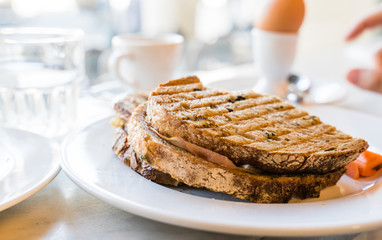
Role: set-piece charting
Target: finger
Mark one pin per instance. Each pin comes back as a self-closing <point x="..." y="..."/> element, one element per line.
<point x="366" y="79"/>
<point x="371" y="20"/>
<point x="378" y="59"/>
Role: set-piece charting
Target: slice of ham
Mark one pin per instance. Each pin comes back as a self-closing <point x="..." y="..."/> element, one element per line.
<point x="201" y="152"/>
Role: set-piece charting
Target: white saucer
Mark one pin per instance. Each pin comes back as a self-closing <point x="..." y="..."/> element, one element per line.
<point x="28" y="162"/>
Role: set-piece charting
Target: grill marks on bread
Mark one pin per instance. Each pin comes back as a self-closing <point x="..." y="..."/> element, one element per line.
<point x="244" y="119"/>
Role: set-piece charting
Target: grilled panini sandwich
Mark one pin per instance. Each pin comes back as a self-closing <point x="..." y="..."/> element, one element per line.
<point x="184" y="110"/>
<point x="249" y="128"/>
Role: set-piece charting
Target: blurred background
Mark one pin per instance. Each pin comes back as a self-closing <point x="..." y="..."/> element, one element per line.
<point x="217" y="32"/>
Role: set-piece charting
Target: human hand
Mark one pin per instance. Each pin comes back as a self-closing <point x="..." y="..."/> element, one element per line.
<point x="369" y="79"/>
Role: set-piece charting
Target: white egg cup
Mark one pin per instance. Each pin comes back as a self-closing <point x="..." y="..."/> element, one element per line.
<point x="273" y="53"/>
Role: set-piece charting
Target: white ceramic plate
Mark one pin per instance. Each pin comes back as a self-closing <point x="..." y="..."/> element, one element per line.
<point x="28" y="162"/>
<point x="351" y="206"/>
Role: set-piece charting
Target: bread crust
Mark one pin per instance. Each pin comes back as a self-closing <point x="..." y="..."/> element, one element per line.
<point x="127" y="155"/>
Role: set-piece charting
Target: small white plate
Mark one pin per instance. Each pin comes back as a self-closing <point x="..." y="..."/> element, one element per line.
<point x="350" y="206"/>
<point x="28" y="162"/>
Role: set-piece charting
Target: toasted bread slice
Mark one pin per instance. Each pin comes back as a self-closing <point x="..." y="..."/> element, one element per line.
<point x="250" y="128"/>
<point x="122" y="149"/>
<point x="127" y="155"/>
<point x="197" y="172"/>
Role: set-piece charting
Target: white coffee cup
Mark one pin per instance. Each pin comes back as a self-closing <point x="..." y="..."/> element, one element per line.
<point x="274" y="54"/>
<point x="145" y="61"/>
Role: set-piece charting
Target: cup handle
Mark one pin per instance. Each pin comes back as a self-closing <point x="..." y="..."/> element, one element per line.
<point x="118" y="60"/>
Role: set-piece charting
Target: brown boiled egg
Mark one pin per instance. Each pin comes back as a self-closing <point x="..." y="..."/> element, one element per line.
<point x="280" y="15"/>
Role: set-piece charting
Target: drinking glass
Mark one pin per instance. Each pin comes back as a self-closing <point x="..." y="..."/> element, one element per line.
<point x="40" y="73"/>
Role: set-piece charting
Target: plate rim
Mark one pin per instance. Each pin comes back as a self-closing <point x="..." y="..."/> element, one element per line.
<point x="46" y="178"/>
<point x="143" y="211"/>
